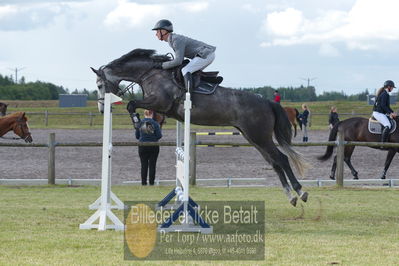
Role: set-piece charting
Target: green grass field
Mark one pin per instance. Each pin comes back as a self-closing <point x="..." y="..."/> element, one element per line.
<point x="75" y="121"/>
<point x="39" y="226"/>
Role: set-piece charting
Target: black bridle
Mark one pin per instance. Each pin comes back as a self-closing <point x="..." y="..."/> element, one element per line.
<point x="129" y="88"/>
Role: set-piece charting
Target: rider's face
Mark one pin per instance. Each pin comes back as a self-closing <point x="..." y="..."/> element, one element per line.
<point x="161" y="35"/>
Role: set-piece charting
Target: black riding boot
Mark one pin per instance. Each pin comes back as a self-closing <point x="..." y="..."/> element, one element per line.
<point x="188" y="82"/>
<point x="385" y="134"/>
<point x="304" y="139"/>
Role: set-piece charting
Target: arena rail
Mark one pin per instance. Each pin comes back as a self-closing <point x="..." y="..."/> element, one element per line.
<point x="92" y="115"/>
<point x="229" y="181"/>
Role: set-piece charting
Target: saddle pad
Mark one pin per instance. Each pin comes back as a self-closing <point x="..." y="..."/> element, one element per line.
<point x="206" y="88"/>
<point x="376" y="127"/>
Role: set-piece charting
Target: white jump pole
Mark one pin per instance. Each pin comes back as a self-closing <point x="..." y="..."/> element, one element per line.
<point x="184" y="204"/>
<point x="103" y="203"/>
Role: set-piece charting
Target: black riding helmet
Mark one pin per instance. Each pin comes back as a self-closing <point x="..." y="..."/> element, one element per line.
<point x="389" y="83"/>
<point x="164" y="24"/>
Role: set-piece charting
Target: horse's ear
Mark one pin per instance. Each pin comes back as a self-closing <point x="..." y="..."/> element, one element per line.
<point x="23" y="116"/>
<point x="95" y="71"/>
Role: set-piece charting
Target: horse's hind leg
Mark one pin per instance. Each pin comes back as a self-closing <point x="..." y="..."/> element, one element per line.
<point x="284" y="182"/>
<point x="333" y="168"/>
<point x="280" y="163"/>
<point x="294" y="181"/>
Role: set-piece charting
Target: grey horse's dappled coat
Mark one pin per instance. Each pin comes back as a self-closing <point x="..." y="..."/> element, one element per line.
<point x="258" y="119"/>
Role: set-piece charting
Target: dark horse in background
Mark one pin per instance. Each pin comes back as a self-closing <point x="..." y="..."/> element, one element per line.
<point x="356" y="129"/>
<point x="18" y="123"/>
<point x="256" y="118"/>
<point x="3" y="109"/>
<point x="293" y="116"/>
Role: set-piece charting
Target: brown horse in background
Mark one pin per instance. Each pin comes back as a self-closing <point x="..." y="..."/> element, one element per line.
<point x="3" y="109"/>
<point x="293" y="116"/>
<point x="18" y="123"/>
<point x="356" y="129"/>
<point x="160" y="118"/>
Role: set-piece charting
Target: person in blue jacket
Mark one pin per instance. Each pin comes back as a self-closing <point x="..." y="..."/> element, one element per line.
<point x="148" y="131"/>
<point x="304" y="117"/>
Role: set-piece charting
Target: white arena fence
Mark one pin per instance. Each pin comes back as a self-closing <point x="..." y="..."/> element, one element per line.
<point x="222" y="182"/>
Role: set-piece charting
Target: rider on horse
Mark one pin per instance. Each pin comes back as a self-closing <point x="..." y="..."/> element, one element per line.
<point x="201" y="54"/>
<point x="382" y="110"/>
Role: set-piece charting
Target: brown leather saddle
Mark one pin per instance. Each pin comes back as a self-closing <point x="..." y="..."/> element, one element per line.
<point x="204" y="82"/>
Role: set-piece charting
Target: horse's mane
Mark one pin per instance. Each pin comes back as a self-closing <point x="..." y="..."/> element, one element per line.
<point x="17" y="114"/>
<point x="139" y="54"/>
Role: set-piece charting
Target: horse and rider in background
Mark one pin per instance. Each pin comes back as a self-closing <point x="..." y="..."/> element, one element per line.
<point x="368" y="130"/>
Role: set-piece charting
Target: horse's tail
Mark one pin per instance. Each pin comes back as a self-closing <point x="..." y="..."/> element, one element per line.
<point x="283" y="135"/>
<point x="297" y="116"/>
<point x="330" y="149"/>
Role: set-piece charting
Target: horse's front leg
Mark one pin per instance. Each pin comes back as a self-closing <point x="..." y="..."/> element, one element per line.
<point x="150" y="103"/>
<point x="390" y="155"/>
<point x="134" y="104"/>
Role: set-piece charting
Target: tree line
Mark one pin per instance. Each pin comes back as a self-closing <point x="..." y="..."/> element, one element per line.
<point x="306" y="94"/>
<point x="39" y="90"/>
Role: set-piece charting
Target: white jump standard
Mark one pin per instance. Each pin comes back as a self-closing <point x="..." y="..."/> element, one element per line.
<point x="104" y="204"/>
<point x="192" y="221"/>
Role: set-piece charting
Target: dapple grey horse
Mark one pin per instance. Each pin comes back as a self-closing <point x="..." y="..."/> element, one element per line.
<point x="256" y="118"/>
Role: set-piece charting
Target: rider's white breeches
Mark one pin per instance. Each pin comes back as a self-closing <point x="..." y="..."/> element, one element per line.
<point x="382" y="118"/>
<point x="198" y="63"/>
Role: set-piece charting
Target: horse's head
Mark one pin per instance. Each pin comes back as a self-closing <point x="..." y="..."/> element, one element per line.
<point x="21" y="127"/>
<point x="104" y="85"/>
<point x="135" y="67"/>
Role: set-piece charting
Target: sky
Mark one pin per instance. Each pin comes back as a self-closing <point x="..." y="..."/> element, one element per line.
<point x="340" y="45"/>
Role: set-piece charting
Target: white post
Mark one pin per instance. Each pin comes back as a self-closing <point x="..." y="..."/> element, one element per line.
<point x="181" y="192"/>
<point x="187" y="120"/>
<point x="103" y="204"/>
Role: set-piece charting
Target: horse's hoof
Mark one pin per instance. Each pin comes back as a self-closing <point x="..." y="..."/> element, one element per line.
<point x="355" y="178"/>
<point x="131" y="107"/>
<point x="383" y="177"/>
<point x="304" y="196"/>
<point x="293" y="201"/>
<point x="332" y="178"/>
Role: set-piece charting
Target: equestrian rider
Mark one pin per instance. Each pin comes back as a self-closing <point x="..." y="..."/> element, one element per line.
<point x="382" y="110"/>
<point x="201" y="54"/>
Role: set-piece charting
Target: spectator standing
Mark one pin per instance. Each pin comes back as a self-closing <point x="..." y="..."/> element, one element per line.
<point x="305" y="119"/>
<point x="277" y="97"/>
<point x="148" y="131"/>
<point x="333" y="117"/>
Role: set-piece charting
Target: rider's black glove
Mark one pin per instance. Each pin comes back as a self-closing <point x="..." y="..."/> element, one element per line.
<point x="158" y="65"/>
